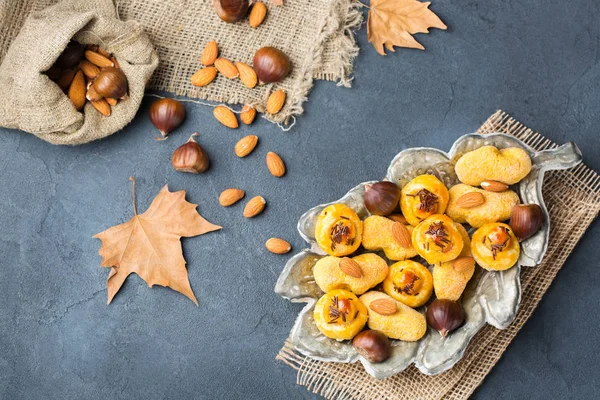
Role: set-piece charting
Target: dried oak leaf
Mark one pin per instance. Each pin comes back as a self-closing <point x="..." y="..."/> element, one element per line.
<point x="392" y="22"/>
<point x="149" y="243"/>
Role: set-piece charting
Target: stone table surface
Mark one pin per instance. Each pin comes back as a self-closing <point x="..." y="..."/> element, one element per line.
<point x="538" y="60"/>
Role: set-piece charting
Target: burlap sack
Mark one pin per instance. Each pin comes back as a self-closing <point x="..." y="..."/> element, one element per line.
<point x="317" y="35"/>
<point x="35" y="104"/>
<point x="573" y="201"/>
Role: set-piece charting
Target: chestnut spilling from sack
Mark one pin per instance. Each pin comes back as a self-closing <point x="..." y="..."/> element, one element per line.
<point x="88" y="73"/>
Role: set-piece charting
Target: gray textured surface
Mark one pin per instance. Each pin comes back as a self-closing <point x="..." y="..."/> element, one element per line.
<point x="538" y="60"/>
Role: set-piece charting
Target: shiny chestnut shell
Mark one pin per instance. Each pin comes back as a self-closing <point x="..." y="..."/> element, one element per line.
<point x="71" y="55"/>
<point x="271" y="64"/>
<point x="445" y="316"/>
<point x="111" y="82"/>
<point x="526" y="220"/>
<point x="231" y="10"/>
<point x="166" y="115"/>
<point x="372" y="345"/>
<point x="381" y="198"/>
<point x="190" y="157"/>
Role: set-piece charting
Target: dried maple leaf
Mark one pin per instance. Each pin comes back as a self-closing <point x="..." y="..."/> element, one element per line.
<point x="149" y="244"/>
<point x="392" y="22"/>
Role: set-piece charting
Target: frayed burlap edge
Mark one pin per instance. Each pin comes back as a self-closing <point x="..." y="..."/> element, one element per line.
<point x="568" y="224"/>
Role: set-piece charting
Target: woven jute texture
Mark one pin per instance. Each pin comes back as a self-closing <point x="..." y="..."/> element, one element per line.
<point x="315" y="34"/>
<point x="573" y="201"/>
<point x="37" y="105"/>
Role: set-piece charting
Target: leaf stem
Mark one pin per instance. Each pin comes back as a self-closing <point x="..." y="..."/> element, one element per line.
<point x="132" y="179"/>
<point x="362" y="4"/>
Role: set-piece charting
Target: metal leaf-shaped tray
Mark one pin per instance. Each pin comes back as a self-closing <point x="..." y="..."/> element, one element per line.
<point x="490" y="297"/>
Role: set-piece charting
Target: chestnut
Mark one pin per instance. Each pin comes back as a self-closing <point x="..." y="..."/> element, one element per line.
<point x="526" y="220"/>
<point x="190" y="157"/>
<point x="111" y="82"/>
<point x="445" y="316"/>
<point x="166" y="115"/>
<point x="231" y="10"/>
<point x="372" y="345"/>
<point x="71" y="56"/>
<point x="271" y="64"/>
<point x="381" y="198"/>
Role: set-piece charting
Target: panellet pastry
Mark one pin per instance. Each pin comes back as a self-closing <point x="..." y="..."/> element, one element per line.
<point x="330" y="275"/>
<point x="496" y="207"/>
<point x="340" y="315"/>
<point x="437" y="239"/>
<point x="488" y="163"/>
<point x="495" y="247"/>
<point x="377" y="235"/>
<point x="409" y="282"/>
<point x="338" y="230"/>
<point x="422" y="197"/>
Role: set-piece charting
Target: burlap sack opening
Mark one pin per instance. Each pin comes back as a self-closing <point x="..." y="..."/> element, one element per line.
<point x="35" y="104"/>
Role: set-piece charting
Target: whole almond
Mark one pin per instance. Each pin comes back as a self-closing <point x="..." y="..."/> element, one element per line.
<point x="209" y="54"/>
<point x="278" y="246"/>
<point x="231" y="196"/>
<point x="463" y="264"/>
<point x="245" y="145"/>
<point x="469" y="200"/>
<point x="401" y="235"/>
<point x="105" y="53"/>
<point x="384" y="306"/>
<point x="204" y="76"/>
<point x="257" y="14"/>
<point x="227" y="68"/>
<point x="115" y="62"/>
<point x="98" y="59"/>
<point x="398" y="218"/>
<point x="77" y="91"/>
<point x="350" y="267"/>
<point x="275" y="101"/>
<point x="65" y="79"/>
<point x="494" y="186"/>
<point x="255" y="206"/>
<point x="91" y="93"/>
<point x="247" y="74"/>
<point x="275" y="164"/>
<point x="225" y="116"/>
<point x="89" y="70"/>
<point x="248" y="114"/>
<point x="102" y="106"/>
<point x="112" y="102"/>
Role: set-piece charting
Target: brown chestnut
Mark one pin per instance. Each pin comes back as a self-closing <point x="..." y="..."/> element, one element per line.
<point x="166" y="115"/>
<point x="445" y="316"/>
<point x="526" y="220"/>
<point x="271" y="64"/>
<point x="231" y="10"/>
<point x="71" y="56"/>
<point x="190" y="157"/>
<point x="381" y="198"/>
<point x="111" y="82"/>
<point x="372" y="345"/>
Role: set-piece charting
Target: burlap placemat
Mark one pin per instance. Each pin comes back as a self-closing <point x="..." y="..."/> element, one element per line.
<point x="315" y="34"/>
<point x="562" y="189"/>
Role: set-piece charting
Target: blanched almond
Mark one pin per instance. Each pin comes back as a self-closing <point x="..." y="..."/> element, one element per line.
<point x="469" y="200"/>
<point x="209" y="54"/>
<point x="350" y="267"/>
<point x="384" y="306"/>
<point x="247" y="75"/>
<point x="278" y="246"/>
<point x="248" y="114"/>
<point x="401" y="235"/>
<point x="225" y="116"/>
<point x="227" y="68"/>
<point x="204" y="76"/>
<point x="255" y="206"/>
<point x="231" y="196"/>
<point x="245" y="145"/>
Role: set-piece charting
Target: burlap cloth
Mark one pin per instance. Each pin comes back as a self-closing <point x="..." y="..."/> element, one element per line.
<point x="573" y="201"/>
<point x="315" y="34"/>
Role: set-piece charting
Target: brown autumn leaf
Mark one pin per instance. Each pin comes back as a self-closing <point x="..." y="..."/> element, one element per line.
<point x="149" y="243"/>
<point x="392" y="22"/>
